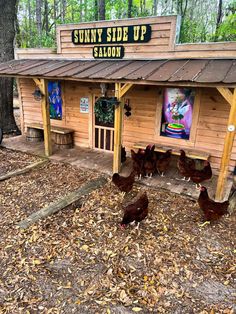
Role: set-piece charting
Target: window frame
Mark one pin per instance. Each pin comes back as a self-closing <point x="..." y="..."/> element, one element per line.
<point x="195" y="116"/>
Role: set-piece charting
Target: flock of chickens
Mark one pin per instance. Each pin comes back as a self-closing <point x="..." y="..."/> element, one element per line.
<point x="145" y="163"/>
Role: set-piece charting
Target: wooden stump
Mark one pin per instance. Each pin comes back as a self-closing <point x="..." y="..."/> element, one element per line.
<point x="34" y="135"/>
<point x="63" y="140"/>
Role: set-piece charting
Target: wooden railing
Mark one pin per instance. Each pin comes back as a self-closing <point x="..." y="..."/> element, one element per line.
<point x="104" y="138"/>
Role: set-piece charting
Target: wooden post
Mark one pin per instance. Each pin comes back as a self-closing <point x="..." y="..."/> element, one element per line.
<point x="117" y="130"/>
<point x="228" y="145"/>
<point x="46" y="116"/>
<point x="118" y="125"/>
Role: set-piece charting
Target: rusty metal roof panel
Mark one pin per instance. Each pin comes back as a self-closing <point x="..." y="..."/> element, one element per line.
<point x="83" y="65"/>
<point x="65" y="68"/>
<point x="146" y="70"/>
<point x="17" y="67"/>
<point x="44" y="68"/>
<point x="189" y="71"/>
<point x="97" y="67"/>
<point x="185" y="70"/>
<point x="166" y="70"/>
<point x="231" y="74"/>
<point x="112" y="68"/>
<point x="124" y="71"/>
<point x="10" y="64"/>
<point x="215" y="71"/>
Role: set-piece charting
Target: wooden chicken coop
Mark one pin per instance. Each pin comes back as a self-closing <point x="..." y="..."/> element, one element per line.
<point x="129" y="82"/>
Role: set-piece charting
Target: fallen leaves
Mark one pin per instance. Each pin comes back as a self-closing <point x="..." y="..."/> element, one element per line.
<point x="80" y="259"/>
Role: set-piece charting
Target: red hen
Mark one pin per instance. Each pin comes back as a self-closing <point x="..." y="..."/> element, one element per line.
<point x="212" y="210"/>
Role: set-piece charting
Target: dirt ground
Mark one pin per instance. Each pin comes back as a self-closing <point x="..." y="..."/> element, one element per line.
<point x="80" y="261"/>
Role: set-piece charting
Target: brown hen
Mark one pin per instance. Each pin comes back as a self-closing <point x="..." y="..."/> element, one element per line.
<point x="150" y="160"/>
<point x="136" y="210"/>
<point x="125" y="184"/>
<point x="163" y="162"/>
<point x="185" y="165"/>
<point x="198" y="176"/>
<point x="138" y="162"/>
<point x="212" y="210"/>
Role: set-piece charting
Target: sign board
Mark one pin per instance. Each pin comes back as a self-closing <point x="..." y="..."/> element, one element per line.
<point x="84" y="105"/>
<point x="111" y="35"/>
<point x="141" y="38"/>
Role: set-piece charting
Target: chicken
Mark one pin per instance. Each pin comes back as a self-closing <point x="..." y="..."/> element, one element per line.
<point x="138" y="162"/>
<point x="198" y="176"/>
<point x="123" y="154"/>
<point x="212" y="210"/>
<point x="163" y="162"/>
<point x="136" y="210"/>
<point x="125" y="184"/>
<point x="150" y="160"/>
<point x="185" y="165"/>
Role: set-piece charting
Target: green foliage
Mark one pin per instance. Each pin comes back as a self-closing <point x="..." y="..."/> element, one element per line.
<point x="104" y="110"/>
<point x="198" y="20"/>
<point x="227" y="30"/>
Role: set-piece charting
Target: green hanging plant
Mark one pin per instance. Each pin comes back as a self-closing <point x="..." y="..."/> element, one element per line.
<point x="104" y="109"/>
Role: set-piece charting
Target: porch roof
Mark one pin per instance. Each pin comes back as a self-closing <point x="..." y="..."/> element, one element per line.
<point x="178" y="71"/>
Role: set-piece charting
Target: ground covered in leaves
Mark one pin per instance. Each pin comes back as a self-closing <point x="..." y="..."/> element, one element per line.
<point x="80" y="261"/>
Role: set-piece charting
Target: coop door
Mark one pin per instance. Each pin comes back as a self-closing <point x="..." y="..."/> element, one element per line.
<point x="103" y="126"/>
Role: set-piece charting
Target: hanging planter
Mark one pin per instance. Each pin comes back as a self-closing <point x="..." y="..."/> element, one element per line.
<point x="104" y="109"/>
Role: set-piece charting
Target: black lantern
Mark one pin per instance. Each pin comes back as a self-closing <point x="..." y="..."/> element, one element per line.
<point x="37" y="94"/>
<point x="127" y="108"/>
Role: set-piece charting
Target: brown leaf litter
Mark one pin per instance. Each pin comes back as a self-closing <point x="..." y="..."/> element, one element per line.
<point x="80" y="261"/>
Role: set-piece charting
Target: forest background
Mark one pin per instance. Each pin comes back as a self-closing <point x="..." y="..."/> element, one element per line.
<point x="201" y="20"/>
<point x="32" y="23"/>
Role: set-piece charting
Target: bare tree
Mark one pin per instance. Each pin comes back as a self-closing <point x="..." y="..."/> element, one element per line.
<point x="155" y="7"/>
<point x="46" y="20"/>
<point x="7" y="22"/>
<point x="64" y="6"/>
<point x="102" y="10"/>
<point x="95" y="10"/>
<point x="39" y="20"/>
<point x="219" y="18"/>
<point x="130" y="8"/>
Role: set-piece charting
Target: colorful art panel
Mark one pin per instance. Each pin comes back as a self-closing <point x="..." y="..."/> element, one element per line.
<point x="55" y="100"/>
<point x="177" y="111"/>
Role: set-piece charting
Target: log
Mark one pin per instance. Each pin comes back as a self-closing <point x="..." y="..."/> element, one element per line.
<point x="63" y="202"/>
<point x="22" y="171"/>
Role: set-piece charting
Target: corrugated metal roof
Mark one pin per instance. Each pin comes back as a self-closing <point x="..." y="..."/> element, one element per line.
<point x="184" y="70"/>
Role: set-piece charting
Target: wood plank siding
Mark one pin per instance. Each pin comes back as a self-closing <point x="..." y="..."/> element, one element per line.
<point x="162" y="39"/>
<point x="142" y="125"/>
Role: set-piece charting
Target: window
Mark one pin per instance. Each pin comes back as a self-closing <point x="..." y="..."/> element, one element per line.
<point x="177" y="113"/>
<point x="55" y="100"/>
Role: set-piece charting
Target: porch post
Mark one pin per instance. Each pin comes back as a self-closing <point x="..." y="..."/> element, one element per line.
<point x="117" y="130"/>
<point x="46" y="116"/>
<point x="228" y="145"/>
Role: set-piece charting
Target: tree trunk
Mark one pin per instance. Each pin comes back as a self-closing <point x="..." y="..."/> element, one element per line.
<point x="219" y="18"/>
<point x="63" y="10"/>
<point x="130" y="8"/>
<point x="54" y="16"/>
<point x="95" y="10"/>
<point x="155" y="7"/>
<point x="30" y="20"/>
<point x="102" y="10"/>
<point x="46" y="17"/>
<point x="7" y="23"/>
<point x="39" y="20"/>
